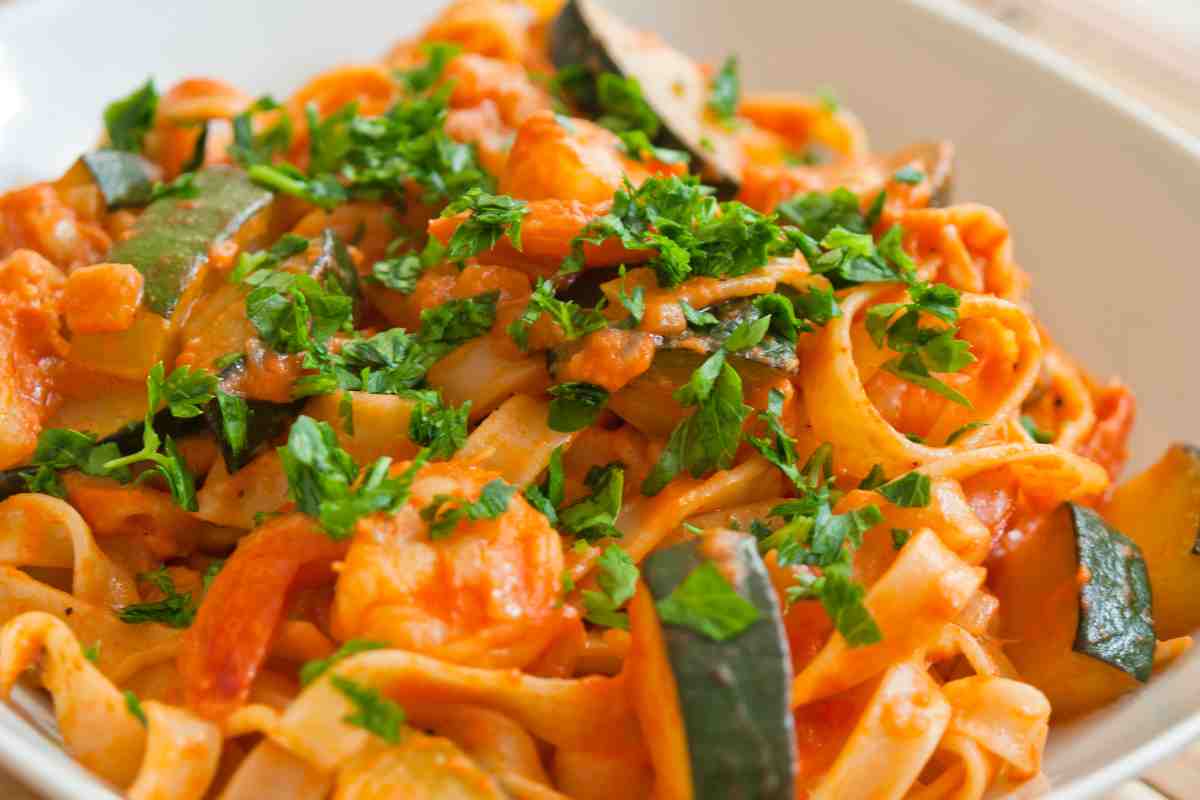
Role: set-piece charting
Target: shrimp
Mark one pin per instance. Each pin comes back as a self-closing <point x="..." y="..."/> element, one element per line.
<point x="213" y="103"/>
<point x="475" y="79"/>
<point x="37" y="218"/>
<point x="243" y="609"/>
<point x="484" y="594"/>
<point x="495" y="28"/>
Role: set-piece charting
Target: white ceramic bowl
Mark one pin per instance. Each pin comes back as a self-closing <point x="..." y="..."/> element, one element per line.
<point x="1103" y="197"/>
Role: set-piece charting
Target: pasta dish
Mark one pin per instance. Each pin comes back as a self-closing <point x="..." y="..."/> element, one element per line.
<point x="536" y="413"/>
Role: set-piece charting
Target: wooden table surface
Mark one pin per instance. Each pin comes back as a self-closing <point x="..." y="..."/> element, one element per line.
<point x="1149" y="49"/>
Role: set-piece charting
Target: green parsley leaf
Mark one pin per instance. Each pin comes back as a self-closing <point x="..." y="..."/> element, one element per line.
<point x="593" y="517"/>
<point x="1037" y="434"/>
<point x="707" y="439"/>
<point x="910" y="175"/>
<point x="186" y="391"/>
<point x="842" y="599"/>
<point x="373" y="712"/>
<point x="250" y="149"/>
<point x="726" y="92"/>
<point x="92" y="652"/>
<point x="130" y="118"/>
<point x="875" y="478"/>
<point x="900" y="537"/>
<point x="705" y="602"/>
<point x="63" y="449"/>
<point x="422" y="78"/>
<point x="547" y="497"/>
<point x="492" y="216"/>
<point x="634" y="302"/>
<point x="402" y="273"/>
<point x="747" y="334"/>
<point x="617" y="576"/>
<point x="440" y="428"/>
<point x="175" y="609"/>
<point x="576" y="405"/>
<point x="320" y="476"/>
<point x="183" y="186"/>
<point x="697" y="319"/>
<point x="637" y="145"/>
<point x="446" y="511"/>
<point x="457" y="321"/>
<point x="323" y="191"/>
<point x="311" y="670"/>
<point x="573" y="320"/>
<point x="908" y="491"/>
<point x="134" y="707"/>
<point x="965" y="429"/>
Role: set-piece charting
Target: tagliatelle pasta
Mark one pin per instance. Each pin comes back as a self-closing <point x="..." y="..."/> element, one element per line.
<point x="533" y="413"/>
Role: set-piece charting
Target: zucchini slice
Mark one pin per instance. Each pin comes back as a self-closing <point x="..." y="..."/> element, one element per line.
<point x="170" y="246"/>
<point x="1115" y="621"/>
<point x="124" y="179"/>
<point x="772" y="351"/>
<point x="733" y="694"/>
<point x="585" y="34"/>
<point x="1160" y="510"/>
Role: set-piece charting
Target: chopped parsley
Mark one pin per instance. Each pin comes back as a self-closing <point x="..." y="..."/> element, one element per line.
<point x="175" y="610"/>
<point x="134" y="706"/>
<point x="690" y="232"/>
<point x="373" y="712"/>
<point x="324" y="480"/>
<point x="708" y="438"/>
<point x="92" y="652"/>
<point x="576" y="405"/>
<point x="401" y="273"/>
<point x="1037" y="434"/>
<point x="249" y="148"/>
<point x="617" y="577"/>
<point x="616" y="102"/>
<point x="442" y="429"/>
<point x="726" y="92"/>
<point x="63" y="449"/>
<point x="184" y="392"/>
<point x="547" y="496"/>
<point x="900" y="537"/>
<point x="573" y="320"/>
<point x="697" y="319"/>
<point x="637" y="145"/>
<point x="311" y="670"/>
<point x="491" y="217"/>
<point x="705" y="602"/>
<point x="130" y="118"/>
<point x="814" y="536"/>
<point x="907" y="491"/>
<point x="593" y="517"/>
<point x="964" y="430"/>
<point x="446" y="511"/>
<point x="423" y="77"/>
<point x="909" y="175"/>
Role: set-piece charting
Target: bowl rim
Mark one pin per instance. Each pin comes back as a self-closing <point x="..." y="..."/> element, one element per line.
<point x="27" y="761"/>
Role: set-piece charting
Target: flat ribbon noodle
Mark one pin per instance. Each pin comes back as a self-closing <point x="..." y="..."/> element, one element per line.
<point x="37" y="530"/>
<point x="181" y="758"/>
<point x="841" y="412"/>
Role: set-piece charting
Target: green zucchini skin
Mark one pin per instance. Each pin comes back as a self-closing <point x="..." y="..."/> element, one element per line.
<point x="772" y="351"/>
<point x="124" y="179"/>
<point x="171" y="240"/>
<point x="577" y="37"/>
<point x="734" y="695"/>
<point x="1116" y="623"/>
<point x="264" y="422"/>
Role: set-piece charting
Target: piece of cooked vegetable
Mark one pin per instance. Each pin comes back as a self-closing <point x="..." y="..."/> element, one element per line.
<point x="125" y="179"/>
<point x="1037" y="582"/>
<point x="418" y="766"/>
<point x="771" y="350"/>
<point x="170" y="246"/>
<point x="1115" y="622"/>
<point x="1160" y="510"/>
<point x="677" y="90"/>
<point x="244" y="427"/>
<point x="734" y="692"/>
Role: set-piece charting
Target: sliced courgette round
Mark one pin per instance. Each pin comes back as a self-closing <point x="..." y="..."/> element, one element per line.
<point x="585" y="34"/>
<point x="733" y="694"/>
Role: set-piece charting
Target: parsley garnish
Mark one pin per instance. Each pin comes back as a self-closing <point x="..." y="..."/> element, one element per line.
<point x="446" y="511"/>
<point x="175" y="609"/>
<point x="134" y="707"/>
<point x="1037" y="434"/>
<point x="697" y="319"/>
<point x="422" y="78"/>
<point x="900" y="537"/>
<point x="403" y="272"/>
<point x="250" y="149"/>
<point x="576" y="405"/>
<point x="63" y="449"/>
<point x="909" y="175"/>
<point x="130" y="118"/>
<point x="547" y="496"/>
<point x="637" y="145"/>
<point x="907" y="491"/>
<point x="319" y="666"/>
<point x="617" y="577"/>
<point x="616" y="102"/>
<point x="592" y="518"/>
<point x="440" y="428"/>
<point x="875" y="478"/>
<point x="573" y="320"/>
<point x="708" y="438"/>
<point x="726" y="92"/>
<point x="705" y="602"/>
<point x="457" y="321"/>
<point x="184" y="392"/>
<point x="373" y="712"/>
<point x="689" y="230"/>
<point x="92" y="652"/>
<point x="965" y="429"/>
<point x="324" y="480"/>
<point x="492" y="216"/>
